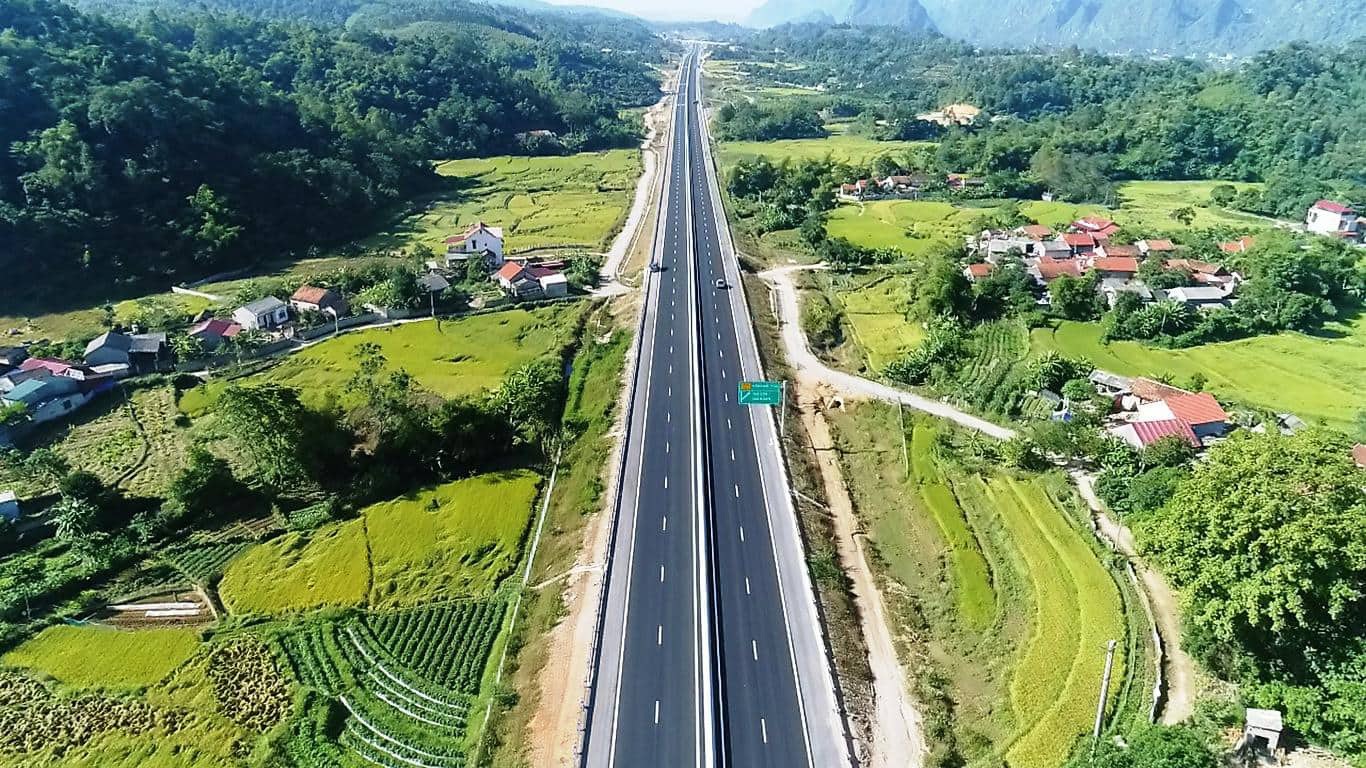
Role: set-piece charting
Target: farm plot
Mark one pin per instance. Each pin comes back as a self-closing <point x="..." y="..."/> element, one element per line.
<point x="1076" y="609"/>
<point x="451" y="358"/>
<point x="579" y="201"/>
<point x="402" y="680"/>
<point x="987" y="381"/>
<point x="458" y="539"/>
<point x="914" y="227"/>
<point x="455" y="540"/>
<point x="970" y="575"/>
<point x="80" y="656"/>
<point x="876" y="314"/>
<point x="1022" y="683"/>
<point x="1148" y="206"/>
<point x="1314" y="377"/>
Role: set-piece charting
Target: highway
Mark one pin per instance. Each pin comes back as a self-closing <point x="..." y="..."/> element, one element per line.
<point x="710" y="652"/>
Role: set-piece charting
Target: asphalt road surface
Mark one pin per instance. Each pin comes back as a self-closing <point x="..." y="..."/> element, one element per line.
<point x="710" y="650"/>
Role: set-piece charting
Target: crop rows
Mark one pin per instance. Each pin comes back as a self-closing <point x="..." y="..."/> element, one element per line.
<point x="987" y="381"/>
<point x="447" y="644"/>
<point x="203" y="563"/>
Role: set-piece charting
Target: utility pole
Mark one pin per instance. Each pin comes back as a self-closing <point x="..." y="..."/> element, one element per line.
<point x="1104" y="692"/>
<point x="901" y="429"/>
<point x="782" y="414"/>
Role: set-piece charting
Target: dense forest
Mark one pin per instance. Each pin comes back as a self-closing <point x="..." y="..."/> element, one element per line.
<point x="184" y="143"/>
<point x="1294" y="117"/>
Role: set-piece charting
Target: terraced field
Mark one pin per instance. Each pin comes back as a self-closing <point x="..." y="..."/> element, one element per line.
<point x="914" y="227"/>
<point x="876" y="313"/>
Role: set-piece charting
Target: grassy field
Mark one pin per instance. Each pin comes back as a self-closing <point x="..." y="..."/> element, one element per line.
<point x="876" y="315"/>
<point x="91" y="319"/>
<point x="854" y="150"/>
<point x="461" y="538"/>
<point x="577" y="201"/>
<point x="915" y="227"/>
<point x="97" y="657"/>
<point x="1020" y="672"/>
<point x="1316" y="378"/>
<point x="455" y="540"/>
<point x="450" y="358"/>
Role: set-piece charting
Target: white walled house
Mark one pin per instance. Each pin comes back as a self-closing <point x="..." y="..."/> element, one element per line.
<point x="262" y="314"/>
<point x="1329" y="218"/>
<point x="478" y="239"/>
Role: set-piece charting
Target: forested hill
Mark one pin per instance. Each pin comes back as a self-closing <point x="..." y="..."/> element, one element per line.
<point x="1111" y="26"/>
<point x="184" y="143"/>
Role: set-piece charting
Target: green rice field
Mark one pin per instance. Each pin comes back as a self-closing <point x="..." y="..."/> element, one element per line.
<point x="876" y="315"/>
<point x="84" y="657"/>
<point x="914" y="227"/>
<point x="842" y="148"/>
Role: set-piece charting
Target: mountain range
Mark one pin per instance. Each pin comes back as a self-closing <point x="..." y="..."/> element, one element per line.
<point x="1113" y="26"/>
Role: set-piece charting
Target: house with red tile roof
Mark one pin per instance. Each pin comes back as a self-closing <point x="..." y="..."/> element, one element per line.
<point x="1359" y="454"/>
<point x="1115" y="266"/>
<point x="1035" y="231"/>
<point x="1241" y="245"/>
<point x="477" y="239"/>
<point x="1098" y="227"/>
<point x="1047" y="270"/>
<point x="975" y="272"/>
<point x="311" y="298"/>
<point x="528" y="281"/>
<point x="1141" y="434"/>
<point x="1081" y="243"/>
<point x="1200" y="410"/>
<point x="1119" y="251"/>
<point x="1156" y="246"/>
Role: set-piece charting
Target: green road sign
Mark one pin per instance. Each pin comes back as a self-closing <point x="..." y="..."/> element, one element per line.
<point x="761" y="393"/>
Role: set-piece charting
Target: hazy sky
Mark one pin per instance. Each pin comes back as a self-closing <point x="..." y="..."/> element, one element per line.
<point x="726" y="10"/>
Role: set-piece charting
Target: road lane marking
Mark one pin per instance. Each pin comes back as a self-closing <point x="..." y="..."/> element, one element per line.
<point x="754" y="647"/>
<point x="737" y="490"/>
<point x="657" y="720"/>
<point x="665" y="527"/>
<point x="732" y="454"/>
<point x="661" y="574"/>
<point x="742" y="533"/>
<point x="763" y="725"/>
<point x="659" y="636"/>
<point x="727" y="422"/>
<point x="666" y="481"/>
<point x="747" y="585"/>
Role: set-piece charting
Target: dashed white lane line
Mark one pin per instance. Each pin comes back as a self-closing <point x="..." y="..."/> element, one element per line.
<point x="666" y="481"/>
<point x="732" y="454"/>
<point x="661" y="573"/>
<point x="747" y="585"/>
<point x="665" y="528"/>
<point x="763" y="726"/>
<point x="742" y="533"/>
<point x="726" y="395"/>
<point x="754" y="648"/>
<point x="727" y="422"/>
<point x="659" y="637"/>
<point x="657" y="720"/>
<point x="737" y="490"/>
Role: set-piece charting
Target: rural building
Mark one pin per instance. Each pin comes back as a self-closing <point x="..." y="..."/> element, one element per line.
<point x="1000" y="247"/>
<point x="1241" y="245"/>
<point x="49" y="398"/>
<point x="1329" y="218"/>
<point x="1155" y="246"/>
<point x="1205" y="273"/>
<point x="1052" y="249"/>
<point x="1200" y="410"/>
<point x="11" y="357"/>
<point x="1199" y="296"/>
<point x="213" y="332"/>
<point x="1359" y="454"/>
<point x="1118" y="251"/>
<point x="1101" y="229"/>
<point x="1141" y="434"/>
<point x="310" y="298"/>
<point x="9" y="506"/>
<point x="521" y="281"/>
<point x="1035" y="232"/>
<point x="1263" y="730"/>
<point x="262" y="315"/>
<point x="478" y="240"/>
<point x="975" y="272"/>
<point x="140" y="351"/>
<point x="1152" y="390"/>
<point x="433" y="283"/>
<point x="1112" y="287"/>
<point x="1111" y="384"/>
<point x="953" y="114"/>
<point x="1115" y="266"/>
<point x="961" y="181"/>
<point x="1046" y="271"/>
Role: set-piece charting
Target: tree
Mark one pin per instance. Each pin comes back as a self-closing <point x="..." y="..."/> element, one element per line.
<point x="476" y="272"/>
<point x="1267" y="539"/>
<point x="13" y="414"/>
<point x="1223" y="195"/>
<point x="943" y="290"/>
<point x="1074" y="298"/>
<point x="1185" y="215"/>
<point x="266" y="423"/>
<point x="204" y="486"/>
<point x="530" y="399"/>
<point x="81" y="484"/>
<point x="1170" y="451"/>
<point x="1154" y="746"/>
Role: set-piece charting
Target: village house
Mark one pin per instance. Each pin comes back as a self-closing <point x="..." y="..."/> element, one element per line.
<point x="478" y="240"/>
<point x="1200" y="410"/>
<point x="1122" y="267"/>
<point x="1199" y="296"/>
<point x="11" y="357"/>
<point x="138" y="352"/>
<point x="310" y="298"/>
<point x="1359" y="454"/>
<point x="521" y="281"/>
<point x="1241" y="245"/>
<point x="1035" y="232"/>
<point x="1101" y="229"/>
<point x="953" y="114"/>
<point x="1112" y="287"/>
<point x="1045" y="271"/>
<point x="975" y="272"/>
<point x="213" y="332"/>
<point x="1080" y="243"/>
<point x="1118" y="251"/>
<point x="1327" y="217"/>
<point x="961" y="181"/>
<point x="1205" y="273"/>
<point x="1141" y="434"/>
<point x="263" y="314"/>
<point x="49" y="388"/>
<point x="1159" y="247"/>
<point x="1052" y="249"/>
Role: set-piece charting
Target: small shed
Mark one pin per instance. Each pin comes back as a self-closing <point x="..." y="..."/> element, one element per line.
<point x="1264" y="726"/>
